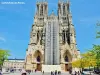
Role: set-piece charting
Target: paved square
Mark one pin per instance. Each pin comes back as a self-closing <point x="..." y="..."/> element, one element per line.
<point x="35" y="74"/>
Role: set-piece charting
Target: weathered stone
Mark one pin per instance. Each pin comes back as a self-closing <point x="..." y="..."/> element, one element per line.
<point x="52" y="38"/>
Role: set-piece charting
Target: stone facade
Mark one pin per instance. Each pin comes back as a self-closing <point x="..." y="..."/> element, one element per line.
<point x="14" y="64"/>
<point x="52" y="38"/>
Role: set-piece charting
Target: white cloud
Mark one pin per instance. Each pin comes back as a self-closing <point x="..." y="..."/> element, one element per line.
<point x="2" y="39"/>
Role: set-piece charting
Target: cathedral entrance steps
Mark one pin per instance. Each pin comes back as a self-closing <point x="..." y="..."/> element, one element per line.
<point x="49" y="68"/>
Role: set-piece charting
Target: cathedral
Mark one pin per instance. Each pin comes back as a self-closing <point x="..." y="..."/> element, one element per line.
<point x="52" y="38"/>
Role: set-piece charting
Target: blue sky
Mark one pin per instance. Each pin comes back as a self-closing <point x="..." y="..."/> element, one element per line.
<point x="16" y="21"/>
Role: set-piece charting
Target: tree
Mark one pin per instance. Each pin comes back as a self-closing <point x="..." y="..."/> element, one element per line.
<point x="90" y="58"/>
<point x="96" y="52"/>
<point x="96" y="48"/>
<point x="3" y="56"/>
<point x="98" y="30"/>
<point x="87" y="60"/>
<point x="79" y="63"/>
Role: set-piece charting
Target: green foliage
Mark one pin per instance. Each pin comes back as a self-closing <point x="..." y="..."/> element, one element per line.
<point x="96" y="48"/>
<point x="96" y="52"/>
<point x="98" y="30"/>
<point x="3" y="56"/>
<point x="87" y="60"/>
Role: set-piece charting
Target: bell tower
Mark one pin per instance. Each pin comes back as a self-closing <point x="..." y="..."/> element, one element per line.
<point x="42" y="8"/>
<point x="64" y="21"/>
<point x="63" y="8"/>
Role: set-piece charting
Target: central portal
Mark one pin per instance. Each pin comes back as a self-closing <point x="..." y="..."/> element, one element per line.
<point x="52" y="44"/>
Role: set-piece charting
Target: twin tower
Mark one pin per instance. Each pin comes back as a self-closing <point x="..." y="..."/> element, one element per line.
<point x="52" y="39"/>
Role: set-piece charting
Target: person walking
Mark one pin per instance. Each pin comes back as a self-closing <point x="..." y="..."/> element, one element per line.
<point x="56" y="72"/>
<point x="70" y="71"/>
<point x="0" y="72"/>
<point x="35" y="70"/>
<point x="43" y="72"/>
<point x="24" y="72"/>
<point x="78" y="73"/>
<point x="51" y="73"/>
<point x="75" y="73"/>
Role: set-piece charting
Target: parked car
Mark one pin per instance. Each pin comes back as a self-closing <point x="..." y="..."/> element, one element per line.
<point x="24" y="74"/>
<point x="0" y="73"/>
<point x="88" y="72"/>
<point x="97" y="71"/>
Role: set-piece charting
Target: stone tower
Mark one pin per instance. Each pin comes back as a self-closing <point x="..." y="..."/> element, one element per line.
<point x="52" y="38"/>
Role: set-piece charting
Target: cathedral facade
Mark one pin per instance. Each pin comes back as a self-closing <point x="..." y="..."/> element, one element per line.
<point x="52" y="38"/>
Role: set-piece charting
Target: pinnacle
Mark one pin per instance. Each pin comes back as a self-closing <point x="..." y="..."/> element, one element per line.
<point x="64" y="1"/>
<point x="41" y="0"/>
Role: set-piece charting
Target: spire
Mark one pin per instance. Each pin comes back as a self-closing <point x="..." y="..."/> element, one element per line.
<point x="68" y="4"/>
<point x="38" y="1"/>
<point x="45" y="0"/>
<point x="52" y="13"/>
<point x="60" y="0"/>
<point x="68" y="1"/>
<point x="41" y="0"/>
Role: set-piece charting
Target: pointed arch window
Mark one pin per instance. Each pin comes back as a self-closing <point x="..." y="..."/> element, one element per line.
<point x="41" y="12"/>
<point x="41" y="39"/>
<point x="37" y="36"/>
<point x="63" y="37"/>
<point x="64" y="12"/>
<point x="66" y="59"/>
<point x="38" y="9"/>
<point x="68" y="38"/>
<point x="38" y="59"/>
<point x="45" y="9"/>
<point x="59" y="8"/>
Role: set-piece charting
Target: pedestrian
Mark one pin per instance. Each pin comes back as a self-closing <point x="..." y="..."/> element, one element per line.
<point x="0" y="73"/>
<point x="75" y="73"/>
<point x="43" y="72"/>
<point x="78" y="73"/>
<point x="56" y="72"/>
<point x="24" y="74"/>
<point x="51" y="73"/>
<point x="35" y="70"/>
<point x="70" y="71"/>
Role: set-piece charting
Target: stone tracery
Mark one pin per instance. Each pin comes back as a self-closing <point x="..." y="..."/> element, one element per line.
<point x="51" y="39"/>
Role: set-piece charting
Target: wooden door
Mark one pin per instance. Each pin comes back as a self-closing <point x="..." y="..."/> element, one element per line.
<point x="39" y="67"/>
<point x="66" y="67"/>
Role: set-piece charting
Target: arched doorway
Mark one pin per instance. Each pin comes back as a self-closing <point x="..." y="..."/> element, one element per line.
<point x="38" y="58"/>
<point x="66" y="65"/>
<point x="67" y="60"/>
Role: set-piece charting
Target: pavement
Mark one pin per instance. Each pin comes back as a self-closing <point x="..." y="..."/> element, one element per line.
<point x="38" y="74"/>
<point x="34" y="74"/>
